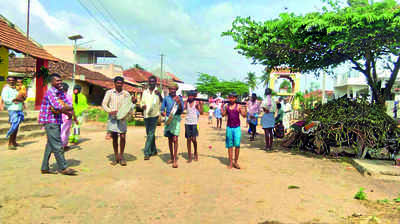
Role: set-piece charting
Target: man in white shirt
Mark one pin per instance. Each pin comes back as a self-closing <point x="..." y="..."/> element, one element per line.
<point x="287" y="109"/>
<point x="13" y="103"/>
<point x="151" y="101"/>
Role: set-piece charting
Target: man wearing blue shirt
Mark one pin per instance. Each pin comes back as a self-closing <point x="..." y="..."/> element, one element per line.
<point x="172" y="108"/>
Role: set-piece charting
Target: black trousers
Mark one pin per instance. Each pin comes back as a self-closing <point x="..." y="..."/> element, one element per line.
<point x="253" y="128"/>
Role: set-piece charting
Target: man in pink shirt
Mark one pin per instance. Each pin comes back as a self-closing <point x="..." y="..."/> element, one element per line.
<point x="253" y="110"/>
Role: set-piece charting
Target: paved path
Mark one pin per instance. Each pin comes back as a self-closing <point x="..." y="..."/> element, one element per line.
<point x="200" y="192"/>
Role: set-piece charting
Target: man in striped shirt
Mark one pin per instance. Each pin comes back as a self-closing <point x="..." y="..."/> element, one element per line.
<point x="53" y="106"/>
<point x="112" y="102"/>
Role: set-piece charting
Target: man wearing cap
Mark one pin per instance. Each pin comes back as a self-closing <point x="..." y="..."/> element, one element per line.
<point x="112" y="102"/>
<point x="80" y="105"/>
<point x="233" y="132"/>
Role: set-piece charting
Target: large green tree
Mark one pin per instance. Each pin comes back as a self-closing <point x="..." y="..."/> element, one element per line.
<point x="211" y="85"/>
<point x="364" y="33"/>
<point x="251" y="80"/>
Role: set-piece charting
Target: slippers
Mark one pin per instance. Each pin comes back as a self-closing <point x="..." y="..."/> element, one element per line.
<point x="69" y="172"/>
<point x="11" y="147"/>
<point x="122" y="162"/>
<point x="236" y="166"/>
<point x="48" y="172"/>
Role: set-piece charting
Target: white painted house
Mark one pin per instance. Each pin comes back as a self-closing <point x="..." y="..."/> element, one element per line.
<point x="354" y="84"/>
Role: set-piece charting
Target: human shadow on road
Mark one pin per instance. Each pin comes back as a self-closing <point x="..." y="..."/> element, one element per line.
<point x="82" y="140"/>
<point x="128" y="157"/>
<point x="23" y="144"/>
<point x="165" y="157"/>
<point x="223" y="160"/>
<point x="70" y="163"/>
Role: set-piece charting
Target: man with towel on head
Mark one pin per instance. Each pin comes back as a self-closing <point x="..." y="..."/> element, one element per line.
<point x="172" y="107"/>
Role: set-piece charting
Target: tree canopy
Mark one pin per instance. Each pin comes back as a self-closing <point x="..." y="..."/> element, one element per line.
<point x="264" y="78"/>
<point x="211" y="85"/>
<point x="251" y="80"/>
<point x="138" y="67"/>
<point x="286" y="84"/>
<point x="365" y="33"/>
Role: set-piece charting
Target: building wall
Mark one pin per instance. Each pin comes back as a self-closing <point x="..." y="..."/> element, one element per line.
<point x="3" y="66"/>
<point x="94" y="97"/>
<point x="109" y="70"/>
<point x="64" y="52"/>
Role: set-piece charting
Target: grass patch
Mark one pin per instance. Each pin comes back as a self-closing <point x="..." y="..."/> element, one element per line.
<point x="361" y="195"/>
<point x="136" y="123"/>
<point x="397" y="200"/>
<point x="293" y="187"/>
<point x="384" y="201"/>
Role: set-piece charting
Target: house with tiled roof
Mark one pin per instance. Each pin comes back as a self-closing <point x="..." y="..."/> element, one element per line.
<point x="94" y="84"/>
<point x="12" y="38"/>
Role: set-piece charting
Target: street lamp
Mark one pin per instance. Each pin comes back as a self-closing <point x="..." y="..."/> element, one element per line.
<point x="74" y="38"/>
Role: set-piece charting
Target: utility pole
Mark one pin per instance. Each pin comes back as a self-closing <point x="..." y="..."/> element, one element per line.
<point x="27" y="19"/>
<point x="74" y="38"/>
<point x="323" y="88"/>
<point x="161" y="74"/>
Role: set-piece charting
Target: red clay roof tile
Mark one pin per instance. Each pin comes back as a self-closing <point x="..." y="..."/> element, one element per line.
<point x="13" y="39"/>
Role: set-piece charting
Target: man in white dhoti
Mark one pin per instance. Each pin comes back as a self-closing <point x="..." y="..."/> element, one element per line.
<point x="287" y="109"/>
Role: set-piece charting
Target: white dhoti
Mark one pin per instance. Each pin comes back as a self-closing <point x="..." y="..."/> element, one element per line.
<point x="287" y="116"/>
<point x="286" y="120"/>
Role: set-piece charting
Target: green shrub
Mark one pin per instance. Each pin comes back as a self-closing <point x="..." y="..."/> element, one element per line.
<point x="361" y="195"/>
<point x="96" y="114"/>
<point x="136" y="123"/>
<point x="397" y="200"/>
<point x="206" y="108"/>
<point x="92" y="113"/>
<point x="103" y="116"/>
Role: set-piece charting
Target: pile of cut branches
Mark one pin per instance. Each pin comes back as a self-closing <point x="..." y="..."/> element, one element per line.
<point x="352" y="123"/>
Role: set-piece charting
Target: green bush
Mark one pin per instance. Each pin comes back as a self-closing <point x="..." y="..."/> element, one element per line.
<point x="361" y="195"/>
<point x="96" y="114"/>
<point x="206" y="108"/>
<point x="136" y="123"/>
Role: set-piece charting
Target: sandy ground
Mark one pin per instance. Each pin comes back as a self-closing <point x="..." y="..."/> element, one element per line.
<point x="199" y="192"/>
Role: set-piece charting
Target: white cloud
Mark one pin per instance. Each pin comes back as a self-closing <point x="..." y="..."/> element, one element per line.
<point x="190" y="36"/>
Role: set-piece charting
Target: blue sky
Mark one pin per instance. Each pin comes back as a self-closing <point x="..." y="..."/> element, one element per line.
<point x="187" y="32"/>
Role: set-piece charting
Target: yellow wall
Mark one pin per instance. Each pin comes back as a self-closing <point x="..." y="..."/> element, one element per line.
<point x="3" y="66"/>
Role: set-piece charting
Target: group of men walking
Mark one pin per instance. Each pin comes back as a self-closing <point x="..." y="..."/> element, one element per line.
<point x="59" y="112"/>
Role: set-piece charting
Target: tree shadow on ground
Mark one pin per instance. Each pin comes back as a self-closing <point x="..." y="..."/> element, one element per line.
<point x="70" y="163"/>
<point x="259" y="144"/>
<point x="128" y="157"/>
